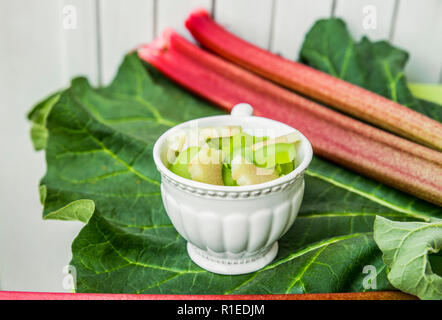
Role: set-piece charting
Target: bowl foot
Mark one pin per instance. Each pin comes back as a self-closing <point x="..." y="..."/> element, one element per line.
<point x="231" y="266"/>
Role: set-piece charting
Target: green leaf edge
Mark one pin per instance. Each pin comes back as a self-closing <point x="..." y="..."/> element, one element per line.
<point x="78" y="210"/>
<point x="38" y="115"/>
<point x="389" y="257"/>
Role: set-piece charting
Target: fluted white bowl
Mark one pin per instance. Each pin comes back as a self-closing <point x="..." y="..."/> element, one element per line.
<point x="233" y="230"/>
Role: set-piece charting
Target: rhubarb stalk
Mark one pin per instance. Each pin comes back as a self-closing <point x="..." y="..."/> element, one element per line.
<point x="374" y="295"/>
<point x="370" y="151"/>
<point x="313" y="83"/>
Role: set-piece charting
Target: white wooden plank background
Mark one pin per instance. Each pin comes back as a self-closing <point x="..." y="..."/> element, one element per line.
<point x="292" y="20"/>
<point x="123" y="25"/>
<point x="38" y="56"/>
<point x="172" y="13"/>
<point x="357" y="14"/>
<point x="418" y="29"/>
<point x="250" y="19"/>
<point x="79" y="45"/>
<point x="33" y="252"/>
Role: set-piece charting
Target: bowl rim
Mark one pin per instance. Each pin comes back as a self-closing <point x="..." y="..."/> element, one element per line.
<point x="298" y="171"/>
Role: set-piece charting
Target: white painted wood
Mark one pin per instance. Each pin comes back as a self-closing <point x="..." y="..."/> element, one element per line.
<point x="172" y="13"/>
<point x="371" y="18"/>
<point x="418" y="30"/>
<point x="79" y="40"/>
<point x="293" y="18"/>
<point x="123" y="26"/>
<point x="249" y="19"/>
<point x="33" y="251"/>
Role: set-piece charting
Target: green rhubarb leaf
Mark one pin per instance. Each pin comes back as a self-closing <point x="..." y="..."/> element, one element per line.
<point x="100" y="171"/>
<point x="429" y="92"/>
<point x="379" y="67"/>
<point x="371" y="190"/>
<point x="329" y="47"/>
<point x="157" y="262"/>
<point x="406" y="248"/>
<point x="38" y="115"/>
<point x="80" y="210"/>
<point x="376" y="66"/>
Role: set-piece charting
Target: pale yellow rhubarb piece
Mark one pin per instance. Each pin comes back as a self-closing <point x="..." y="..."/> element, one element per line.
<point x="292" y="137"/>
<point x="246" y="173"/>
<point x="206" y="166"/>
<point x="175" y="142"/>
<point x="197" y="137"/>
<point x="219" y="132"/>
<point x="184" y="139"/>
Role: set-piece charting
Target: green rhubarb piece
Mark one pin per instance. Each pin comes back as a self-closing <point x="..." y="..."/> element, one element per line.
<point x="224" y="144"/>
<point x="272" y="154"/>
<point x="206" y="166"/>
<point x="238" y="143"/>
<point x="245" y="140"/>
<point x="227" y="175"/>
<point x="181" y="165"/>
<point x="285" y="168"/>
<point x="243" y="144"/>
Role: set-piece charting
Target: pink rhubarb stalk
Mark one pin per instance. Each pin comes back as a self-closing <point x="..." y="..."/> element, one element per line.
<point x="367" y="150"/>
<point x="375" y="295"/>
<point x="318" y="85"/>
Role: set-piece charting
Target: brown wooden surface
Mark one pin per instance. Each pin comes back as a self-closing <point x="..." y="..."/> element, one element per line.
<point x="378" y="295"/>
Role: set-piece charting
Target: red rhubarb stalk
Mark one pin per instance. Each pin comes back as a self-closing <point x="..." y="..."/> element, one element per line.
<point x="318" y="85"/>
<point x="370" y="151"/>
<point x="375" y="295"/>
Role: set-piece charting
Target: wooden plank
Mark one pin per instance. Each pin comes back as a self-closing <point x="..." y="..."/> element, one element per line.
<point x="30" y="48"/>
<point x="418" y="30"/>
<point x="293" y="18"/>
<point x="33" y="251"/>
<point x="172" y="13"/>
<point x="79" y="40"/>
<point x="249" y="19"/>
<point x="122" y="26"/>
<point x="372" y="18"/>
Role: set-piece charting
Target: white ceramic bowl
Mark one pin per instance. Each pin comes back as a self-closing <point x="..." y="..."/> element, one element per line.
<point x="233" y="230"/>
